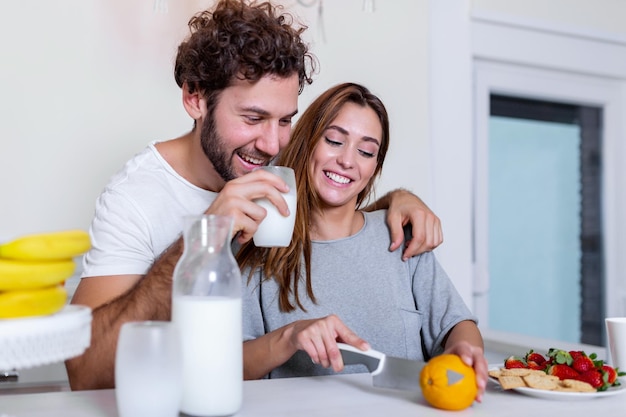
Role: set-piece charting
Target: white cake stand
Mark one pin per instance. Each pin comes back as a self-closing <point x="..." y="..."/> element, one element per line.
<point x="34" y="341"/>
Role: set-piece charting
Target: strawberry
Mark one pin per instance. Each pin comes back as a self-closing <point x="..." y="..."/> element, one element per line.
<point x="563" y="371"/>
<point x="535" y="360"/>
<point x="576" y="353"/>
<point x="514" y="362"/>
<point x="559" y="356"/>
<point x="582" y="363"/>
<point x="593" y="377"/>
<point x="610" y="374"/>
<point x="538" y="358"/>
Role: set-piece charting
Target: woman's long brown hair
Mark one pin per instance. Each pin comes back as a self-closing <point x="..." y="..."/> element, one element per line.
<point x="285" y="264"/>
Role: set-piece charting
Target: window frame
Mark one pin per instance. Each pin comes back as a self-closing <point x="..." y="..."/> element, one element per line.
<point x="513" y="56"/>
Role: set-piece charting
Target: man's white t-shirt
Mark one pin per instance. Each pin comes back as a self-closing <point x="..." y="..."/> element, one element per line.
<point x="139" y="215"/>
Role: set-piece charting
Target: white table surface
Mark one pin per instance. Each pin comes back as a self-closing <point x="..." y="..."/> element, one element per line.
<point x="342" y="395"/>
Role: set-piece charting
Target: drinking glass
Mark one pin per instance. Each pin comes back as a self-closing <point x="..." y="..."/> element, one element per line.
<point x="276" y="229"/>
<point x="616" y="335"/>
<point x="147" y="370"/>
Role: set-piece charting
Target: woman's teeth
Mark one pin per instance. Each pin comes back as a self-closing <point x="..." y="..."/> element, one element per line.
<point x="337" y="178"/>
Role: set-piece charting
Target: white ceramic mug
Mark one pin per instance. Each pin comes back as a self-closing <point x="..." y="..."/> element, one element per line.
<point x="275" y="229"/>
<point x="616" y="336"/>
<point x="148" y="370"/>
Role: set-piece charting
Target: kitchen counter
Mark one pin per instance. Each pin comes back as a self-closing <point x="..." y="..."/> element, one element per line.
<point x="498" y="345"/>
<point x="328" y="396"/>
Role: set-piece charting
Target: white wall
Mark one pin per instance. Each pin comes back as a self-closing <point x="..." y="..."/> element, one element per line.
<point x="600" y="16"/>
<point x="86" y="84"/>
<point x="387" y="51"/>
<point x="529" y="24"/>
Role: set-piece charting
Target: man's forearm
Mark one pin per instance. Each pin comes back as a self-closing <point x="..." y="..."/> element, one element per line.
<point x="149" y="299"/>
<point x="384" y="201"/>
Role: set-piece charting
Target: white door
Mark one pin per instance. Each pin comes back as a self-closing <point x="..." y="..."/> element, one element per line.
<point x="527" y="225"/>
<point x="479" y="53"/>
<point x="535" y="206"/>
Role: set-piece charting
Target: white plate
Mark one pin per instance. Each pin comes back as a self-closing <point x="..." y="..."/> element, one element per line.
<point x="570" y="396"/>
<point x="565" y="396"/>
<point x="33" y="341"/>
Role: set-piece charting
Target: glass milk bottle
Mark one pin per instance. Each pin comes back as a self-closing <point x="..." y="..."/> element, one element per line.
<point x="206" y="309"/>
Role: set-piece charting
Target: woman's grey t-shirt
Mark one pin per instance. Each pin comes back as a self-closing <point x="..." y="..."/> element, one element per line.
<point x="403" y="309"/>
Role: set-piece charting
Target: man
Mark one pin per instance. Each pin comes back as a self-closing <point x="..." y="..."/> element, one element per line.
<point x="240" y="71"/>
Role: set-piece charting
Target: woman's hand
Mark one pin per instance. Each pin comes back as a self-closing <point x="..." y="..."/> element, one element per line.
<point x="472" y="356"/>
<point x="319" y="337"/>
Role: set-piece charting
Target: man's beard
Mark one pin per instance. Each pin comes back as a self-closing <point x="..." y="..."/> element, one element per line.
<point x="215" y="149"/>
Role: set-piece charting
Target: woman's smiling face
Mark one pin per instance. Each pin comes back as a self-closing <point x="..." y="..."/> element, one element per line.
<point x="345" y="158"/>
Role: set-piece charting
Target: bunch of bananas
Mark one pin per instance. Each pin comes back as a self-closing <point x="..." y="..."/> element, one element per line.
<point x="33" y="270"/>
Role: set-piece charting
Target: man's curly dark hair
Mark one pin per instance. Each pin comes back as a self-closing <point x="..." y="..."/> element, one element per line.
<point x="241" y="39"/>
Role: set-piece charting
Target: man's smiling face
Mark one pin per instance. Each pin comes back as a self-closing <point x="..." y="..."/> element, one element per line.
<point x="251" y="123"/>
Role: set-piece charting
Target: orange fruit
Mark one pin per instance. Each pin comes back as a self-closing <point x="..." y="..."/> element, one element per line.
<point x="438" y="392"/>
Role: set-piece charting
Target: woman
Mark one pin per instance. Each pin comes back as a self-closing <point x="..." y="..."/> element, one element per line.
<point x="337" y="281"/>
